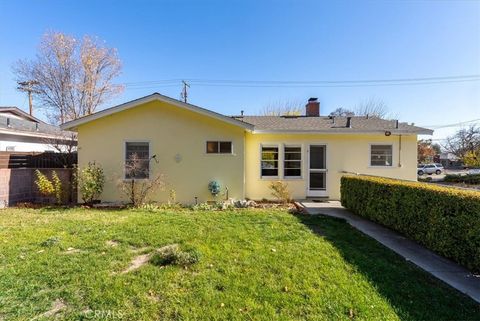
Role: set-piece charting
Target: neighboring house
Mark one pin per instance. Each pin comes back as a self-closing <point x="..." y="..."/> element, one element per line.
<point x="21" y="132"/>
<point x="449" y="160"/>
<point x="192" y="146"/>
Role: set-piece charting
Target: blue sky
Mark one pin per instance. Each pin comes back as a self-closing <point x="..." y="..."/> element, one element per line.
<point x="271" y="40"/>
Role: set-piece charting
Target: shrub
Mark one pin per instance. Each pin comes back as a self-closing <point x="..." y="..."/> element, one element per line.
<point x="48" y="187"/>
<point x="446" y="220"/>
<point x="280" y="191"/>
<point x="51" y="241"/>
<point x="425" y="179"/>
<point x="140" y="185"/>
<point x="174" y="255"/>
<point x="57" y="187"/>
<point x="91" y="180"/>
<point x="473" y="179"/>
<point x="45" y="186"/>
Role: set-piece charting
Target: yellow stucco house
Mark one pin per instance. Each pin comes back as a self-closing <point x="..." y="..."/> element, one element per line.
<point x="192" y="146"/>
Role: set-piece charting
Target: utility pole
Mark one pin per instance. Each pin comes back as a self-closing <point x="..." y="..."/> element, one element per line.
<point x="184" y="93"/>
<point x="26" y="86"/>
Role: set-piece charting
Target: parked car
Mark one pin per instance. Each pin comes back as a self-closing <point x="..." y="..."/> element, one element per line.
<point x="430" y="169"/>
<point x="474" y="171"/>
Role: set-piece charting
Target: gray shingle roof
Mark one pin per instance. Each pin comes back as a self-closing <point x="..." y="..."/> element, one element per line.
<point x="359" y="124"/>
<point x="32" y="126"/>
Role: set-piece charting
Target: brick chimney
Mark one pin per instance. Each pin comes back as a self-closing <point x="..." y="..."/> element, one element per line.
<point x="312" y="108"/>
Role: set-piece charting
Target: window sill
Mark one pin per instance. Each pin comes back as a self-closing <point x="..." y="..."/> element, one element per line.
<point x="382" y="166"/>
<point x="269" y="178"/>
<point x="136" y="179"/>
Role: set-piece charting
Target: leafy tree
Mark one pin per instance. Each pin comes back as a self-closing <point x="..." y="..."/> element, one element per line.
<point x="71" y="77"/>
<point x="472" y="158"/>
<point x="426" y="150"/>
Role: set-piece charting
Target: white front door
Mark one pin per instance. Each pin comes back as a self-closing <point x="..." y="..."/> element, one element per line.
<point x="317" y="170"/>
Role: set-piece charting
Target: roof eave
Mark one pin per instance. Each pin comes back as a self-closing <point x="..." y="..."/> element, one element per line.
<point x="72" y="125"/>
<point x="423" y="131"/>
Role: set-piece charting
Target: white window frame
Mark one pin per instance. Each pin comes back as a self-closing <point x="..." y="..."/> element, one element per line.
<point x="370" y="155"/>
<point x="277" y="146"/>
<point x="125" y="158"/>
<point x="218" y="141"/>
<point x="300" y="161"/>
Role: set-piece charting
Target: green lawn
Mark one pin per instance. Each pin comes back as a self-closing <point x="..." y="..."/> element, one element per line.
<point x="254" y="265"/>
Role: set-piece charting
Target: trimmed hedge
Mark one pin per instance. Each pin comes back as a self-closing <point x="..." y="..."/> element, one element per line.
<point x="446" y="220"/>
<point x="473" y="179"/>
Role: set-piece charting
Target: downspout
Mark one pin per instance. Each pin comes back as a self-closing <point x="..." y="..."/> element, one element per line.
<point x="399" y="150"/>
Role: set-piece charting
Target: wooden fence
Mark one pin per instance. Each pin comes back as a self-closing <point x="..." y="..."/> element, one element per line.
<point x="37" y="160"/>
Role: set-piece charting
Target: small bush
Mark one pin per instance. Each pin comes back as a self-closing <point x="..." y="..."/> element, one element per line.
<point x="473" y="179"/>
<point x="91" y="180"/>
<point x="444" y="219"/>
<point x="51" y="241"/>
<point x="45" y="186"/>
<point x="48" y="187"/>
<point x="425" y="179"/>
<point x="57" y="186"/>
<point x="280" y="191"/>
<point x="203" y="207"/>
<point x="174" y="255"/>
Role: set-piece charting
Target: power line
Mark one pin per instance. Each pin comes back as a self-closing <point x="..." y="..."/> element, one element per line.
<point x="311" y="83"/>
<point x="466" y="122"/>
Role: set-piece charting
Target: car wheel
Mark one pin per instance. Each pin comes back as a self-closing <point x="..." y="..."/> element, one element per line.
<point x="438" y="172"/>
<point x="420" y="173"/>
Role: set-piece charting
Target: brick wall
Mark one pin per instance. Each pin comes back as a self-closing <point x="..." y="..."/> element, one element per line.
<point x="18" y="185"/>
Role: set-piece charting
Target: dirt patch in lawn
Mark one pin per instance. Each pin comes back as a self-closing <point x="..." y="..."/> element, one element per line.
<point x="137" y="262"/>
<point x="57" y="306"/>
<point x="112" y="243"/>
<point x="72" y="250"/>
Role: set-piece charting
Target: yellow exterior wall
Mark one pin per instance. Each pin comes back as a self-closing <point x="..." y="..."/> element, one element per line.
<point x="170" y="130"/>
<point x="173" y="131"/>
<point x="345" y="152"/>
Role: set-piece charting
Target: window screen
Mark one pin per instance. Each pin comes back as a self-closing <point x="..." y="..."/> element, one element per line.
<point x="381" y="155"/>
<point x="216" y="147"/>
<point x="292" y="161"/>
<point x="269" y="161"/>
<point x="137" y="160"/>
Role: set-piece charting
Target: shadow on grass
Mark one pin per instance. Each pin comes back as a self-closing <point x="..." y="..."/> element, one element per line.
<point x="412" y="292"/>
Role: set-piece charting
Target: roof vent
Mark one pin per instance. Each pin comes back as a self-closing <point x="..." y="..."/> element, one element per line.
<point x="8" y="122"/>
<point x="349" y="122"/>
<point x="396" y="124"/>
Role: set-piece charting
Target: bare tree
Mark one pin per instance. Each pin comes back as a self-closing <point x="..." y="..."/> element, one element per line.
<point x="466" y="140"/>
<point x="71" y="78"/>
<point x="65" y="146"/>
<point x="342" y="112"/>
<point x="373" y="107"/>
<point x="284" y="108"/>
<point x="139" y="184"/>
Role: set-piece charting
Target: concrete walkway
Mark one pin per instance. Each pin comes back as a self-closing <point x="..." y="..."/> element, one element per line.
<point x="442" y="268"/>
